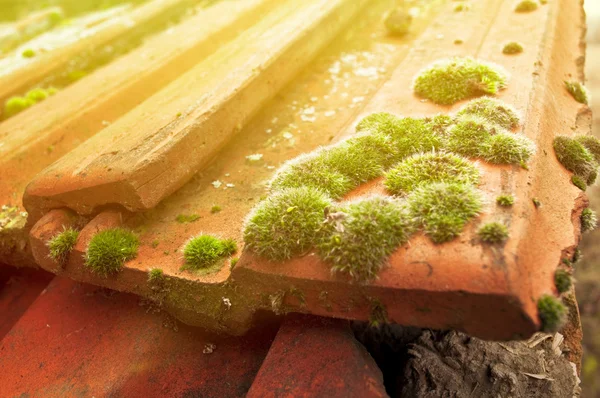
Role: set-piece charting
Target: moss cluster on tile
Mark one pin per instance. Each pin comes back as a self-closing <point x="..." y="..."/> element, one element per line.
<point x="108" y="250"/>
<point x="505" y="200"/>
<point x="588" y="220"/>
<point x="206" y="251"/>
<point x="15" y="105"/>
<point x="512" y="48"/>
<point x="61" y="245"/>
<point x="526" y="6"/>
<point x="493" y="232"/>
<point x="552" y="313"/>
<point x="448" y="81"/>
<point x="398" y="21"/>
<point x="493" y="111"/>
<point x="156" y="275"/>
<point x="562" y="280"/>
<point x="576" y="158"/>
<point x="578" y="91"/>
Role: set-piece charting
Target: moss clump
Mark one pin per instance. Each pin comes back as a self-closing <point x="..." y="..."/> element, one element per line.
<point x="493" y="232"/>
<point x="451" y="80"/>
<point x="505" y="200"/>
<point x="469" y="135"/>
<point x="536" y="202"/>
<point x="588" y="220"/>
<point x="578" y="182"/>
<point x="562" y="280"/>
<point x="552" y="312"/>
<point x="206" y="251"/>
<point x="439" y="124"/>
<point x="590" y="143"/>
<point x="286" y="223"/>
<point x="357" y="238"/>
<point x="443" y="209"/>
<point x="215" y="209"/>
<point x="397" y="21"/>
<point x="576" y="158"/>
<point x="381" y="122"/>
<point x="61" y="245"/>
<point x="37" y="95"/>
<point x="578" y="91"/>
<point x="156" y="275"/>
<point x="425" y="168"/>
<point x="512" y="48"/>
<point x="28" y="53"/>
<point x="187" y="218"/>
<point x="526" y="6"/>
<point x="507" y="148"/>
<point x="16" y="105"/>
<point x="493" y="111"/>
<point x="413" y="135"/>
<point x="109" y="249"/>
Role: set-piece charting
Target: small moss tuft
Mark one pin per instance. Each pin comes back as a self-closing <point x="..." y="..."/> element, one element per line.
<point x="578" y="182"/>
<point x="590" y="143"/>
<point x="469" y="135"/>
<point x="381" y="122"/>
<point x="109" y="249"/>
<point x="451" y="80"/>
<point x="28" y="53"/>
<point x="61" y="245"/>
<point x="379" y="315"/>
<point x="493" y="232"/>
<point x="215" y="209"/>
<point x="443" y="209"/>
<point x="357" y="238"/>
<point x="536" y="202"/>
<point x="505" y="200"/>
<point x="461" y="7"/>
<point x="526" y="6"/>
<point x="37" y="95"/>
<point x="562" y="280"/>
<point x="187" y="218"/>
<point x="397" y="21"/>
<point x="425" y="168"/>
<point x="507" y="148"/>
<point x="576" y="158"/>
<point x="578" y="91"/>
<point x="205" y="251"/>
<point x="414" y="135"/>
<point x="512" y="48"/>
<point x="588" y="220"/>
<point x="493" y="111"/>
<point x="155" y="275"/>
<point x="234" y="262"/>
<point x="552" y="312"/>
<point x="16" y="105"/>
<point x="286" y="223"/>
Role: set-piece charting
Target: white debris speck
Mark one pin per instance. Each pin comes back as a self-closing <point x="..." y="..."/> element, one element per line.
<point x="439" y="36"/>
<point x="105" y="123"/>
<point x="217" y="184"/>
<point x="227" y="174"/>
<point x="370" y="71"/>
<point x="268" y="131"/>
<point x="287" y="135"/>
<point x="226" y="302"/>
<point x="274" y="120"/>
<point x="344" y="95"/>
<point x="255" y="157"/>
<point x="209" y="348"/>
<point x="24" y="214"/>
<point x="329" y="113"/>
<point x="314" y="99"/>
<point x="230" y="185"/>
<point x="335" y="68"/>
<point x="309" y="110"/>
<point x="270" y="167"/>
<point x="309" y="119"/>
<point x="358" y="99"/>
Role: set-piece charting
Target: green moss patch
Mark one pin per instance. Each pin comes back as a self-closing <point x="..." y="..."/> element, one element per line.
<point x="526" y="6"/>
<point x="469" y="135"/>
<point x="579" y="182"/>
<point x="61" y="245"/>
<point x="357" y="238"/>
<point x="512" y="48"/>
<point x="507" y="148"/>
<point x="156" y="275"/>
<point x="286" y="223"/>
<point x="590" y="143"/>
<point x="28" y="53"/>
<point x="109" y="249"/>
<point x="578" y="91"/>
<point x="37" y="95"/>
<point x="493" y="111"/>
<point x="562" y="280"/>
<point x="552" y="312"/>
<point x="493" y="232"/>
<point x="426" y="168"/>
<point x="16" y="105"/>
<point x="588" y="220"/>
<point x="505" y="200"/>
<point x="206" y="251"/>
<point x="187" y="218"/>
<point x="451" y="80"/>
<point x="381" y="122"/>
<point x="443" y="209"/>
<point x="397" y="21"/>
<point x="576" y="158"/>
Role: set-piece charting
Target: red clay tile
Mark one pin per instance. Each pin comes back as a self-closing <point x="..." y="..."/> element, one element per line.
<point x="317" y="357"/>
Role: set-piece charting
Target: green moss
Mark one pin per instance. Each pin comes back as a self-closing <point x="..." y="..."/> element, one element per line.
<point x="28" y="53"/>
<point x="439" y="124"/>
<point x="578" y="91"/>
<point x="156" y="275"/>
<point x="286" y="223"/>
<point x="507" y="148"/>
<point x="451" y="80"/>
<point x="536" y="202"/>
<point x="577" y="255"/>
<point x="186" y="218"/>
<point x="215" y="209"/>
<point x="205" y="251"/>
<point x="413" y="135"/>
<point x="381" y="122"/>
<point x="512" y="48"/>
<point x="590" y="143"/>
<point x="109" y="249"/>
<point x="16" y="105"/>
<point x="461" y="7"/>
<point x="61" y="245"/>
<point x="443" y="209"/>
<point x="493" y="232"/>
<point x="234" y="262"/>
<point x="505" y="200"/>
<point x="357" y="238"/>
<point x="378" y="315"/>
<point x="552" y="312"/>
<point x="493" y="111"/>
<point x="397" y="21"/>
<point x="576" y="158"/>
<point x="36" y="95"/>
<point x="588" y="220"/>
<point x="469" y="135"/>
<point x="562" y="280"/>
<point x="425" y="168"/>
<point x="578" y="182"/>
<point x="526" y="6"/>
<point x="52" y="91"/>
